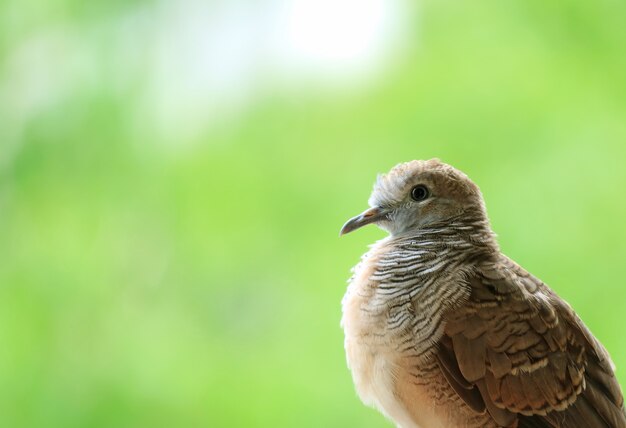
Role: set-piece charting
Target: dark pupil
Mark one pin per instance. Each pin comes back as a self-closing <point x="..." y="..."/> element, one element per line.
<point x="419" y="193"/>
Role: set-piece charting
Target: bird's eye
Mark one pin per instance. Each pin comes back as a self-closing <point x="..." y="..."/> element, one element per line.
<point x="419" y="193"/>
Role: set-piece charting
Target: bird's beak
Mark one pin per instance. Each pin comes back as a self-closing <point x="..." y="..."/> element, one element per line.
<point x="366" y="217"/>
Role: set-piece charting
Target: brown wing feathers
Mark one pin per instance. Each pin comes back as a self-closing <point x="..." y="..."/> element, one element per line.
<point x="450" y="369"/>
<point x="520" y="352"/>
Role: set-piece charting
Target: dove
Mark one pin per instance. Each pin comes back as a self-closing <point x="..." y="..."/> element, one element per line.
<point x="442" y="330"/>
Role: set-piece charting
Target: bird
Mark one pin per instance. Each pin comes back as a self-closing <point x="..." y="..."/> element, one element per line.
<point x="442" y="330"/>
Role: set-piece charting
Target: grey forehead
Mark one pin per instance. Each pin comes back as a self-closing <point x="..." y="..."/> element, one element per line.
<point x="390" y="188"/>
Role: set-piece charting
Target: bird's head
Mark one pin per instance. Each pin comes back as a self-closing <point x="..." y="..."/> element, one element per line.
<point x="419" y="194"/>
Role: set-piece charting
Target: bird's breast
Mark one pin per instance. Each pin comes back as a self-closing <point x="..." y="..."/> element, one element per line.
<point x="392" y="318"/>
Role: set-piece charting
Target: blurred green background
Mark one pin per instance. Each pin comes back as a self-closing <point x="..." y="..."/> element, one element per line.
<point x="173" y="177"/>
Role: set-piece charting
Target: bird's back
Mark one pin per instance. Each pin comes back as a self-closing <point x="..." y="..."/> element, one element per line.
<point x="522" y="351"/>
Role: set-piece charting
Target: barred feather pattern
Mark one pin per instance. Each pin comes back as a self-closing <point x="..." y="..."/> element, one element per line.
<point x="395" y="304"/>
<point x="404" y="281"/>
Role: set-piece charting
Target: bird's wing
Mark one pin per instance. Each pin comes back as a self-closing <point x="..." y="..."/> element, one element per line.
<point x="518" y="351"/>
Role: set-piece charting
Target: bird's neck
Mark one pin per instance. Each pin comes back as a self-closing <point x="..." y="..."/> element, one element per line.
<point x="467" y="234"/>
